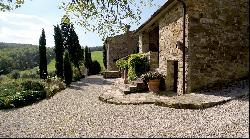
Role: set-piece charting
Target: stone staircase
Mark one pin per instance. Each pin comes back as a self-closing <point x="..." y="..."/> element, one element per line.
<point x="134" y="87"/>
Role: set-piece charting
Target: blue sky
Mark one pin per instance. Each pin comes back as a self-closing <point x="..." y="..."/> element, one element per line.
<point x="24" y="24"/>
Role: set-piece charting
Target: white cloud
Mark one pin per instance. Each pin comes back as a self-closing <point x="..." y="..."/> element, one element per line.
<point x="22" y="28"/>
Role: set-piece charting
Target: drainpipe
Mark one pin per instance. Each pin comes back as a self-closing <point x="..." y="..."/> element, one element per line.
<point x="184" y="28"/>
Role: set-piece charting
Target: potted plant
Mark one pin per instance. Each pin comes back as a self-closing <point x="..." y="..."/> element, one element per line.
<point x="153" y="80"/>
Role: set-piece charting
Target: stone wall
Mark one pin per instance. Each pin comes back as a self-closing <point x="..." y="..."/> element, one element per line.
<point x="153" y="60"/>
<point x="120" y="46"/>
<point x="218" y="41"/>
<point x="171" y="31"/>
<point x="154" y="40"/>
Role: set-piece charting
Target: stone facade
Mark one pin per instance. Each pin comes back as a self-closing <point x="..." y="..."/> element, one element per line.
<point x="120" y="46"/>
<point x="217" y="45"/>
<point x="218" y="41"/>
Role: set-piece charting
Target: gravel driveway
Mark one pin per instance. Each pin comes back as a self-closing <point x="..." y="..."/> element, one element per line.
<point x="77" y="112"/>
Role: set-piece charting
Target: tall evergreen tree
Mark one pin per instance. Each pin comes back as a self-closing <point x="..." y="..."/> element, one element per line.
<point x="68" y="74"/>
<point x="74" y="48"/>
<point x="59" y="51"/>
<point x="87" y="57"/>
<point x="104" y="56"/>
<point x="65" y="34"/>
<point x="42" y="54"/>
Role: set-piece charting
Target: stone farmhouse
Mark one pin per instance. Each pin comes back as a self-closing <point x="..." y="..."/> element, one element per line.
<point x="200" y="42"/>
<point x="120" y="46"/>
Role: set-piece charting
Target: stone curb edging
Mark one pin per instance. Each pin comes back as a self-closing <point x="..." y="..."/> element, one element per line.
<point x="116" y="101"/>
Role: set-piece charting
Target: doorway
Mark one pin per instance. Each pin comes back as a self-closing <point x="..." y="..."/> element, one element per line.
<point x="172" y="75"/>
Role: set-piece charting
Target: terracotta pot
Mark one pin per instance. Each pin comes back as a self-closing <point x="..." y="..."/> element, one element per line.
<point x="154" y="85"/>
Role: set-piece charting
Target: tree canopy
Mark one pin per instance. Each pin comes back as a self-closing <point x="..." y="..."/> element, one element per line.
<point x="7" y="5"/>
<point x="104" y="17"/>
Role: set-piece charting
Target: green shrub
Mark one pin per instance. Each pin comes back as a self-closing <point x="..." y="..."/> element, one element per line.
<point x="53" y="85"/>
<point x="122" y="63"/>
<point x="14" y="74"/>
<point x="21" y="92"/>
<point x="32" y="85"/>
<point x="52" y="74"/>
<point x="30" y="75"/>
<point x="95" y="68"/>
<point x="137" y="65"/>
<point x="76" y="74"/>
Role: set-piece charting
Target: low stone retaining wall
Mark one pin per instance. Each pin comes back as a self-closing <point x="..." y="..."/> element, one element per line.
<point x="111" y="74"/>
<point x="198" y="100"/>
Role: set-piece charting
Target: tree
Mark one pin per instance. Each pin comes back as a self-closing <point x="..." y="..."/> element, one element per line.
<point x="87" y="57"/>
<point x="7" y="5"/>
<point x="65" y="34"/>
<point x="42" y="55"/>
<point x="105" y="17"/>
<point x="74" y="48"/>
<point x="95" y="68"/>
<point x="68" y="74"/>
<point x="104" y="56"/>
<point x="59" y="51"/>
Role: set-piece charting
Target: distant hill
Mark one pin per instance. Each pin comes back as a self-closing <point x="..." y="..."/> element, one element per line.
<point x="15" y="56"/>
<point x="11" y="45"/>
<point x="96" y="48"/>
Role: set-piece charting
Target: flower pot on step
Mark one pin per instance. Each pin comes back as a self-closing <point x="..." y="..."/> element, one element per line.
<point x="154" y="85"/>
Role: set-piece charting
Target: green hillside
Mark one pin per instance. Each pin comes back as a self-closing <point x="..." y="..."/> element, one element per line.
<point x="98" y="55"/>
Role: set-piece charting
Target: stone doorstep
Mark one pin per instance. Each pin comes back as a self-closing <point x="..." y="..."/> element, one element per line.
<point x="188" y="101"/>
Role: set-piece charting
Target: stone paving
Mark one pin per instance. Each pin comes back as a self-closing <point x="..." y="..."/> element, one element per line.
<point x="197" y="100"/>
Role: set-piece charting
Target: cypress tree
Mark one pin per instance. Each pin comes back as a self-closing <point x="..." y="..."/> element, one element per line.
<point x="59" y="51"/>
<point x="74" y="48"/>
<point x="68" y="74"/>
<point x="65" y="34"/>
<point x="42" y="55"/>
<point x="104" y="56"/>
<point x="87" y="57"/>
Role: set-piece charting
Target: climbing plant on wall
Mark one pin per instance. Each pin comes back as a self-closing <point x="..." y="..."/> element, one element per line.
<point x="122" y="63"/>
<point x="137" y="65"/>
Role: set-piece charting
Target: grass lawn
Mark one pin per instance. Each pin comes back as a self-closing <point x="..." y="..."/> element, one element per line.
<point x="51" y="66"/>
<point x="98" y="55"/>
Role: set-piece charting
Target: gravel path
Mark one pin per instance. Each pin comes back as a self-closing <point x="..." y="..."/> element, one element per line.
<point x="77" y="112"/>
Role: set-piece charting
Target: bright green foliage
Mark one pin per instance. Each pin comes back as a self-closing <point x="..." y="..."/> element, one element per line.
<point x="105" y="17"/>
<point x="43" y="60"/>
<point x="21" y="92"/>
<point x="137" y="65"/>
<point x="122" y="64"/>
<point x="98" y="56"/>
<point x="59" y="51"/>
<point x="7" y="5"/>
<point x="20" y="56"/>
<point x="104" y="56"/>
<point x="67" y="69"/>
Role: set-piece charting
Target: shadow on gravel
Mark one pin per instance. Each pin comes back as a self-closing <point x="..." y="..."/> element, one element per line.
<point x="90" y="80"/>
<point x="238" y="89"/>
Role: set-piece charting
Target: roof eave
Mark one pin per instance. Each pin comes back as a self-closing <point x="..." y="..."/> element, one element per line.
<point x="155" y="16"/>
